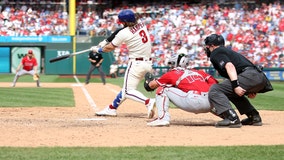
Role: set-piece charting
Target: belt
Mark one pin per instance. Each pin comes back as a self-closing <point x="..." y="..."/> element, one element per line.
<point x="196" y="92"/>
<point x="248" y="68"/>
<point x="142" y="59"/>
<point x="199" y="93"/>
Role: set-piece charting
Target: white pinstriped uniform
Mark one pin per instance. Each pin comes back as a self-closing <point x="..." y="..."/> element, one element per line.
<point x="138" y="43"/>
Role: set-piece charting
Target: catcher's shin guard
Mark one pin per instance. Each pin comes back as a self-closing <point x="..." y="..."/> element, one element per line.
<point x="162" y="104"/>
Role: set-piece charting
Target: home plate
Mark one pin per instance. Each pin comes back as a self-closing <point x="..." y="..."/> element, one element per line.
<point x="92" y="119"/>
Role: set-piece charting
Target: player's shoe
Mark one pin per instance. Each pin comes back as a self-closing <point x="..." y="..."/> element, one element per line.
<point x="229" y="123"/>
<point x="150" y="108"/>
<point x="230" y="119"/>
<point x="254" y="120"/>
<point x="159" y="123"/>
<point x="107" y="112"/>
<point x="13" y="85"/>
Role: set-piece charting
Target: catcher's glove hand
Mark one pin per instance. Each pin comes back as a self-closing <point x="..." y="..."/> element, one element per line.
<point x="36" y="77"/>
<point x="148" y="78"/>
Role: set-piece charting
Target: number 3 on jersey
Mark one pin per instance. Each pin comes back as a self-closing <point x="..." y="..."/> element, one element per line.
<point x="143" y="34"/>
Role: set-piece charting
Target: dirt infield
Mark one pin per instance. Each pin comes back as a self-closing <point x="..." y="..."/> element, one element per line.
<point x="78" y="126"/>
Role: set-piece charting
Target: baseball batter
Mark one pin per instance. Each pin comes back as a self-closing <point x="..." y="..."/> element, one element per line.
<point x="28" y="66"/>
<point x="136" y="36"/>
<point x="186" y="88"/>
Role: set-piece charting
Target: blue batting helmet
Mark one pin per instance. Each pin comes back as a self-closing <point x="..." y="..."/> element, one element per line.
<point x="126" y="15"/>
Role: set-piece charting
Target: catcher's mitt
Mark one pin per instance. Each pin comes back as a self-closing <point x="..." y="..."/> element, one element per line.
<point x="148" y="78"/>
<point x="36" y="77"/>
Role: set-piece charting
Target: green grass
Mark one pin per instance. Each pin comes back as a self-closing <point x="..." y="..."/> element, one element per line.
<point x="43" y="78"/>
<point x="144" y="153"/>
<point x="271" y="100"/>
<point x="43" y="97"/>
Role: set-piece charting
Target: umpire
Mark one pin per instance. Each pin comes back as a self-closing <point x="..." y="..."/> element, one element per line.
<point x="243" y="79"/>
<point x="96" y="60"/>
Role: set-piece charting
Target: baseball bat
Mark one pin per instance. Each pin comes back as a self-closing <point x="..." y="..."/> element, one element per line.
<point x="67" y="56"/>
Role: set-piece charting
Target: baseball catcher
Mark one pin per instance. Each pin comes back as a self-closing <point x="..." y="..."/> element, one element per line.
<point x="185" y="88"/>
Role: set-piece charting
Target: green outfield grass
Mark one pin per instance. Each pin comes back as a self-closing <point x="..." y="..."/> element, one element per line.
<point x="144" y="153"/>
<point x="268" y="101"/>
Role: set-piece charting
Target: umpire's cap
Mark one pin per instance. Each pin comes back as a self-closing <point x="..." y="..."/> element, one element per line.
<point x="126" y="15"/>
<point x="214" y="39"/>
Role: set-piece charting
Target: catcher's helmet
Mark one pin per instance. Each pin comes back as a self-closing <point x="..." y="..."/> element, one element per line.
<point x="178" y="60"/>
<point x="214" y="39"/>
<point x="126" y="15"/>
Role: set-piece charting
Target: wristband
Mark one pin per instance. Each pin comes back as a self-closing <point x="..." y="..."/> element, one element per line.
<point x="235" y="84"/>
<point x="100" y="50"/>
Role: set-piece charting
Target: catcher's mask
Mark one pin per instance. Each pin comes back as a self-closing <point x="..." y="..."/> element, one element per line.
<point x="213" y="39"/>
<point x="178" y="60"/>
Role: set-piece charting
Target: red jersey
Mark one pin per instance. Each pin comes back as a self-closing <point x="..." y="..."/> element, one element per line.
<point x="195" y="80"/>
<point x="28" y="64"/>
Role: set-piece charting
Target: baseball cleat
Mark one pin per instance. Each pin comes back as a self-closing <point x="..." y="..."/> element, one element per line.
<point x="159" y="123"/>
<point x="228" y="123"/>
<point x="107" y="112"/>
<point x="252" y="120"/>
<point x="150" y="108"/>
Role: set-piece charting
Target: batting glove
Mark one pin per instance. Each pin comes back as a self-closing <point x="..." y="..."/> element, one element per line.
<point x="97" y="49"/>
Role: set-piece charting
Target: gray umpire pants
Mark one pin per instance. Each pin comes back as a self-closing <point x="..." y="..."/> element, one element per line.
<point x="91" y="69"/>
<point x="221" y="94"/>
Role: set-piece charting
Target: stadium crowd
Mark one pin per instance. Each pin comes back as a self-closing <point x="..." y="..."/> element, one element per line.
<point x="257" y="33"/>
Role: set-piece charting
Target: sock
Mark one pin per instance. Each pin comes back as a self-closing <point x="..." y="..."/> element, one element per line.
<point x="111" y="106"/>
<point x="147" y="101"/>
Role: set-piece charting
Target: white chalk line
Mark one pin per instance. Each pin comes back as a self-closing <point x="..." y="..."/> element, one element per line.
<point x="112" y="90"/>
<point x="90" y="100"/>
<point x="86" y="93"/>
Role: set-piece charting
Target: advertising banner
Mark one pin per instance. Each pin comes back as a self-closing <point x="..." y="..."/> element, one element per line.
<point x="4" y="59"/>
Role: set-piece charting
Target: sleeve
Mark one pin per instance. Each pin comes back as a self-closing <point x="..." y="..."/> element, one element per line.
<point x="211" y="80"/>
<point x="89" y="55"/>
<point x="167" y="79"/>
<point x="119" y="38"/>
<point x="101" y="56"/>
<point x="111" y="37"/>
<point x="208" y="78"/>
<point x="23" y="61"/>
<point x="221" y="61"/>
<point x="35" y="62"/>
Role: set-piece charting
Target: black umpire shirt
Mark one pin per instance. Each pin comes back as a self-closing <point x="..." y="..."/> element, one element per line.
<point x="95" y="56"/>
<point x="222" y="55"/>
